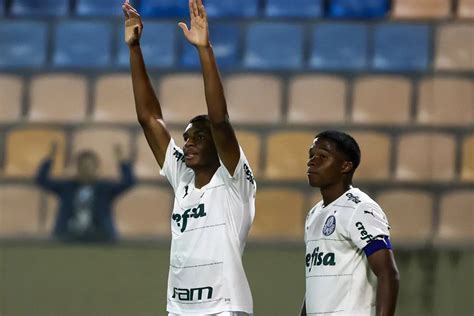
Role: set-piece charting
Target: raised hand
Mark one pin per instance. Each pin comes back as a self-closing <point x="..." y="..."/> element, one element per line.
<point x="198" y="35"/>
<point x="133" y="24"/>
<point x="53" y="149"/>
<point x="118" y="153"/>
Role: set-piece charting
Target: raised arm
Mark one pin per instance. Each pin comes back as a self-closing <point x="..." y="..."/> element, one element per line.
<point x="383" y="265"/>
<point x="222" y="131"/>
<point x="147" y="105"/>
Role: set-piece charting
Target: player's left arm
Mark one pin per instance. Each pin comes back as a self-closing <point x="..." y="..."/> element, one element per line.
<point x="384" y="267"/>
<point x="222" y="132"/>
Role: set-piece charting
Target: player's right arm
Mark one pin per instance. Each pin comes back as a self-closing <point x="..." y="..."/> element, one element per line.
<point x="147" y="105"/>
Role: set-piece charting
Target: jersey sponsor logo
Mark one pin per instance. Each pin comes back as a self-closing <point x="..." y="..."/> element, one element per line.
<point x="329" y="225"/>
<point x="353" y="198"/>
<point x="248" y="174"/>
<point x="318" y="258"/>
<point x="364" y="235"/>
<point x="178" y="155"/>
<point x="182" y="219"/>
<point x="193" y="293"/>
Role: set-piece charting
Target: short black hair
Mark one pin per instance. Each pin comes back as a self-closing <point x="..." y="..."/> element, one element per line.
<point x="199" y="118"/>
<point x="345" y="143"/>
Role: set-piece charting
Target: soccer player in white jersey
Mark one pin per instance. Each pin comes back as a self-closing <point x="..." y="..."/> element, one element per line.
<point x="350" y="268"/>
<point x="212" y="181"/>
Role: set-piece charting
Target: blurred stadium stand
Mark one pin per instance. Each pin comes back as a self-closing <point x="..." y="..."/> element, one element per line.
<point x="402" y="84"/>
<point x="39" y="8"/>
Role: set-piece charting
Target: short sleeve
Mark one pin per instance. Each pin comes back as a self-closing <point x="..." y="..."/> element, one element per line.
<point x="368" y="224"/>
<point x="174" y="166"/>
<point x="242" y="181"/>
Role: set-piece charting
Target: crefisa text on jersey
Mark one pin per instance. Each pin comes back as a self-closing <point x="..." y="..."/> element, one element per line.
<point x="318" y="258"/>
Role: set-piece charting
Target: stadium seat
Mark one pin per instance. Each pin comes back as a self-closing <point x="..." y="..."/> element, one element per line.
<point x="98" y="8"/>
<point x="39" y="8"/>
<point x="231" y="8"/>
<point x="382" y="99"/>
<point x="22" y="44"/>
<point x="158" y="44"/>
<point x="225" y="38"/>
<point x="114" y="102"/>
<point x="295" y="8"/>
<point x="456" y="218"/>
<point x="163" y="8"/>
<point x="82" y="44"/>
<point x="401" y="47"/>
<point x="247" y="103"/>
<point x="144" y="212"/>
<point x="287" y="155"/>
<point x="317" y="99"/>
<point x="11" y="102"/>
<point x="376" y="153"/>
<point x="26" y="148"/>
<point x="58" y="98"/>
<point x="182" y="97"/>
<point x="102" y="140"/>
<point x="419" y="9"/>
<point x="20" y="211"/>
<point x="339" y="46"/>
<point x="358" y="9"/>
<point x="251" y="145"/>
<point x="279" y="215"/>
<point x="145" y="166"/>
<point x="424" y="156"/>
<point x="467" y="168"/>
<point x="263" y="51"/>
<point x="410" y="215"/>
<point x="446" y="101"/>
<point x="465" y="9"/>
<point x="454" y="48"/>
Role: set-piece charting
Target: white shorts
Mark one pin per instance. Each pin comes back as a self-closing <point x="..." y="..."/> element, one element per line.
<point x="220" y="314"/>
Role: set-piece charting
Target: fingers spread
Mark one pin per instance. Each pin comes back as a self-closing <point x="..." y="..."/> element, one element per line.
<point x="125" y="13"/>
<point x="195" y="8"/>
<point x="184" y="27"/>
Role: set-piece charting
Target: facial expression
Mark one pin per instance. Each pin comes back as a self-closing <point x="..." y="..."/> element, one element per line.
<point x="87" y="167"/>
<point x="199" y="148"/>
<point x="326" y="165"/>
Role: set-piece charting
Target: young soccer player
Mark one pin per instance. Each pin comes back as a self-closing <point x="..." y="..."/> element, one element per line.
<point x="212" y="181"/>
<point x="350" y="268"/>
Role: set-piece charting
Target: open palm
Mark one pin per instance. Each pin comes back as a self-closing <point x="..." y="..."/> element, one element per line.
<point x="198" y="35"/>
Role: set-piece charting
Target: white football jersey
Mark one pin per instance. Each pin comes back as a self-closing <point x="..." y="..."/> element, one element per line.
<point x="339" y="280"/>
<point x="209" y="228"/>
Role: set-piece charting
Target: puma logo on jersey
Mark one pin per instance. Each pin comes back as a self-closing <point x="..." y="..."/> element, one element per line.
<point x="189" y="294"/>
<point x="182" y="219"/>
<point x="186" y="189"/>
<point x="371" y="213"/>
<point x="320" y="258"/>
<point x="353" y="198"/>
<point x="363" y="233"/>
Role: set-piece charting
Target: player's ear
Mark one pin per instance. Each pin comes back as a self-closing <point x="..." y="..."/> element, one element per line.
<point x="347" y="167"/>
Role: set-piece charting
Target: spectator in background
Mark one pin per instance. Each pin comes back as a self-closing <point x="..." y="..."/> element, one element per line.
<point x="85" y="202"/>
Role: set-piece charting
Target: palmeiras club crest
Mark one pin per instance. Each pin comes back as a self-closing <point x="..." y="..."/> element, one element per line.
<point x="329" y="226"/>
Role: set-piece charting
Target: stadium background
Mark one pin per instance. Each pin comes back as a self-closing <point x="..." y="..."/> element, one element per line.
<point x="398" y="75"/>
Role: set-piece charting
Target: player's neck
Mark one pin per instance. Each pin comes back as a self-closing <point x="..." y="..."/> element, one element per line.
<point x="333" y="192"/>
<point x="203" y="176"/>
